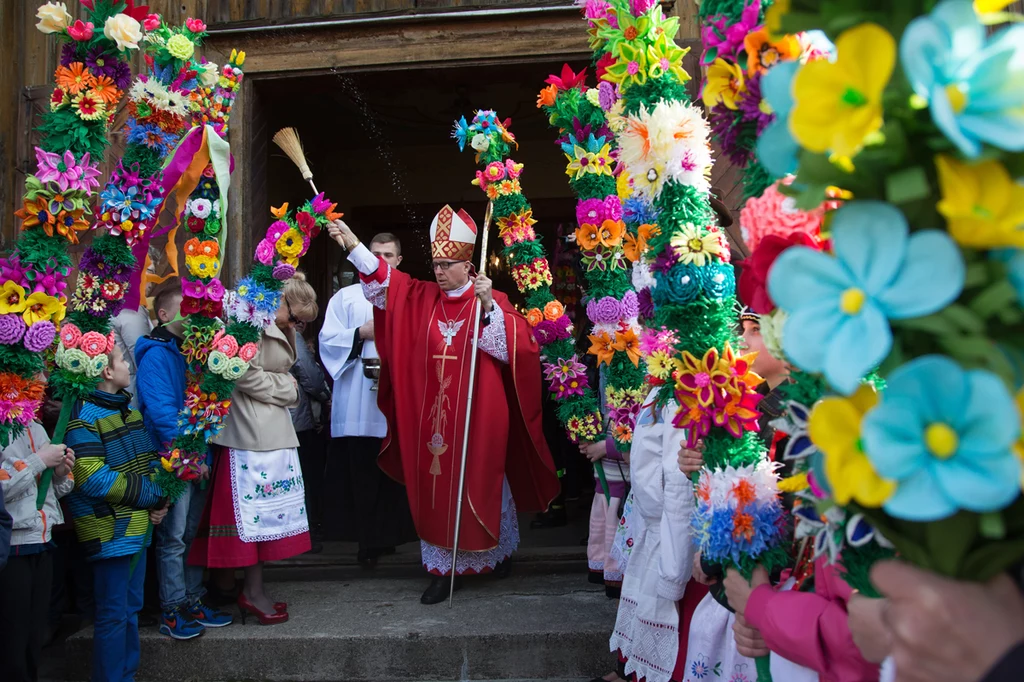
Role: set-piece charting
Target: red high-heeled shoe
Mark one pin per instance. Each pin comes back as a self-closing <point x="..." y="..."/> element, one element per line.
<point x="280" y="606"/>
<point x="246" y="607"/>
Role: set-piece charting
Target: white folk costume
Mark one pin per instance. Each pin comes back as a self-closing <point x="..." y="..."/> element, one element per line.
<point x="424" y="339"/>
<point x="379" y="504"/>
<point x="647" y="625"/>
<point x="604" y="520"/>
<point x="711" y="650"/>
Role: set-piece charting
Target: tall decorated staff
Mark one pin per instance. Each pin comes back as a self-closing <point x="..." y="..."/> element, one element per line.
<point x="606" y="247"/>
<point x="665" y="149"/>
<point x="90" y="81"/>
<point x="203" y="163"/>
<point x="923" y="280"/>
<point x="160" y="112"/>
<point x="499" y="180"/>
<point x="750" y="67"/>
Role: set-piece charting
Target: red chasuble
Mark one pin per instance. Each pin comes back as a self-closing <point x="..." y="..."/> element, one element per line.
<point x="423" y="339"/>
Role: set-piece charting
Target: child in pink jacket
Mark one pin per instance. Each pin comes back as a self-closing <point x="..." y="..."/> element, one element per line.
<point x="807" y="628"/>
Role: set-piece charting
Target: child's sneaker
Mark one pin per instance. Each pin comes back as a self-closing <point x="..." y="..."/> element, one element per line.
<point x="179" y="624"/>
<point x="210" y="617"/>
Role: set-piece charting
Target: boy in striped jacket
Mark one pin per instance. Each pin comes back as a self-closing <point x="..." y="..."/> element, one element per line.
<point x="113" y="504"/>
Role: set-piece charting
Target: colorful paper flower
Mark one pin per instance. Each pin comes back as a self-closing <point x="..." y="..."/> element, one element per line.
<point x="835" y="428"/>
<point x="12" y="329"/>
<point x="696" y="245"/>
<point x="725" y="85"/>
<point x="945" y="435"/>
<point x="982" y="204"/>
<point x="763" y="52"/>
<point x="203" y="266"/>
<point x="602" y="346"/>
<point x="665" y="57"/>
<point x="971" y="82"/>
<point x="774" y="213"/>
<point x="753" y="282"/>
<point x="838" y="104"/>
<point x="628" y="343"/>
<point x="839" y="306"/>
<point x="629" y="67"/>
<point x="40" y="307"/>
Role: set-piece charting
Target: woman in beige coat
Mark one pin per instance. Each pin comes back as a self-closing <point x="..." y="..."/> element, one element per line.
<point x="256" y="511"/>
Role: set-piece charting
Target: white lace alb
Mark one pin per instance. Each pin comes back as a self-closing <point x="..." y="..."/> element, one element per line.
<point x="439" y="559"/>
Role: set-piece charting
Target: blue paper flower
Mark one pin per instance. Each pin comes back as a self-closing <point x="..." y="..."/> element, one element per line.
<point x="839" y="306"/>
<point x="461" y="132"/>
<point x="973" y="85"/>
<point x="639" y="211"/>
<point x="776" y="149"/>
<point x="1014" y="260"/>
<point x="946" y="436"/>
<point x="680" y="285"/>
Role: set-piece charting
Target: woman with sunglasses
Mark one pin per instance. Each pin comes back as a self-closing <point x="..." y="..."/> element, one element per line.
<point x="256" y="510"/>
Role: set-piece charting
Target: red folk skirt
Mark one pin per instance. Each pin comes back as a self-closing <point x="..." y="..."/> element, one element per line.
<point x="217" y="544"/>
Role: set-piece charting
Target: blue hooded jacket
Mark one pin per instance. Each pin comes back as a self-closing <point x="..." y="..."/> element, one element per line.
<point x="160" y="384"/>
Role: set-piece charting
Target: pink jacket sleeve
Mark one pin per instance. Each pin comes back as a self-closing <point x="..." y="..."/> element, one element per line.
<point x="810" y="629"/>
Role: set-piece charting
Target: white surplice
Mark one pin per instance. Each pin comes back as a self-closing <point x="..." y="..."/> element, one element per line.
<point x="647" y="624"/>
<point x="354" y="410"/>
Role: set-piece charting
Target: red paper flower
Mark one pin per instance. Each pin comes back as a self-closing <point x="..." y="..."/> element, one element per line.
<point x="81" y="30"/>
<point x="568" y="79"/>
<point x="195" y="25"/>
<point x="753" y="283"/>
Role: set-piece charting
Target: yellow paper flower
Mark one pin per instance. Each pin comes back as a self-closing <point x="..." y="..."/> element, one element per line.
<point x="40" y="307"/>
<point x="202" y="266"/>
<point x="12" y="298"/>
<point x="835" y="427"/>
<point x="839" y="104"/>
<point x="697" y="246"/>
<point x="180" y="47"/>
<point x="725" y="84"/>
<point x="989" y="6"/>
<point x="984" y="207"/>
<point x="664" y="56"/>
<point x="290" y="244"/>
<point x="660" y="365"/>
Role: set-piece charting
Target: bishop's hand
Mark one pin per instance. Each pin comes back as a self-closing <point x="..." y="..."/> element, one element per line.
<point x="482" y="289"/>
<point x="342" y="233"/>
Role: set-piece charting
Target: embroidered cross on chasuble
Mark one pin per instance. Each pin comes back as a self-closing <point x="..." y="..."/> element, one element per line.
<point x="424" y="340"/>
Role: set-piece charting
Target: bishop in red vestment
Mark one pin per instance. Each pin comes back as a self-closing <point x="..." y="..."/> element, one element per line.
<point x="422" y="331"/>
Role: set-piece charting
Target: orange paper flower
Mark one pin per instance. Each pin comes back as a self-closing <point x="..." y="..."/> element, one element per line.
<point x="629" y="343"/>
<point x="611" y="232"/>
<point x="534" y="316"/>
<point x="74" y="78"/>
<point x="553" y="310"/>
<point x="547" y="96"/>
<point x="603" y="347"/>
<point x="105" y="89"/>
<point x="280" y="212"/>
<point x="588" y="236"/>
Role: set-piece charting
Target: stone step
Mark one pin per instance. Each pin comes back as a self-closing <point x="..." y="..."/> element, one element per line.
<point x="527" y="627"/>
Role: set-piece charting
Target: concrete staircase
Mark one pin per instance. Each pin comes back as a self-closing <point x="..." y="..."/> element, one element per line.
<point x="545" y="622"/>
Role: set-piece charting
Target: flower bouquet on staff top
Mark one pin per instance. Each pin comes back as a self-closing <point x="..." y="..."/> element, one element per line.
<point x="499" y="180"/>
<point x="916" y="118"/>
<point x="90" y="82"/>
<point x="612" y="304"/>
<point x="664" y="148"/>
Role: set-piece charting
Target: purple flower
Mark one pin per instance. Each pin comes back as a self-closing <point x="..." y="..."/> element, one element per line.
<point x="605" y="310"/>
<point x="92" y="263"/>
<point x="545" y="332"/>
<point x="39" y="336"/>
<point x="103" y="64"/>
<point x="68" y="54"/>
<point x="56" y="168"/>
<point x="630" y="306"/>
<point x="12" y="269"/>
<point x="590" y="211"/>
<point x="563" y="370"/>
<point x="665" y="260"/>
<point x="607" y="95"/>
<point x="726" y="126"/>
<point x="626" y="413"/>
<point x="563" y="327"/>
<point x="645" y="301"/>
<point x="750" y="105"/>
<point x="639" y="7"/>
<point x="283" y="271"/>
<point x="12" y="328"/>
<point x="320" y="203"/>
<point x="564" y="389"/>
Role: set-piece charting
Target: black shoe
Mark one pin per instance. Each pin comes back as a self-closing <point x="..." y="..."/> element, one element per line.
<point x="612" y="592"/>
<point x="438" y="590"/>
<point x="367" y="558"/>
<point x="315" y="547"/>
<point x="595" y="577"/>
<point x="503" y="569"/>
<point x="555" y="517"/>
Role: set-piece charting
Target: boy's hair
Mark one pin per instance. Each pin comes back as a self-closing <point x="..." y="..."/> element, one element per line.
<point x="387" y="238"/>
<point x="301" y="298"/>
<point x="167" y="292"/>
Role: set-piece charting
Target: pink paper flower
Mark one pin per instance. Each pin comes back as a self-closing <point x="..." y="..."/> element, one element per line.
<point x="276" y="231"/>
<point x="226" y="345"/>
<point x="81" y="30"/>
<point x="248" y="351"/>
<point x="70" y="335"/>
<point x="56" y="168"/>
<point x="111" y="342"/>
<point x="775" y="213"/>
<point x="195" y="25"/>
<point x="151" y="22"/>
<point x="93" y="343"/>
<point x="265" y="252"/>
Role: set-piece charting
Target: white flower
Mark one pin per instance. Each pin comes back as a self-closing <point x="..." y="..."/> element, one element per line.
<point x="138" y="91"/>
<point x="210" y="76"/>
<point x="201" y="208"/>
<point x="53" y="17"/>
<point x="123" y="30"/>
<point x="216" y="208"/>
<point x="480" y="142"/>
<point x="594" y="97"/>
<point x="671" y="142"/>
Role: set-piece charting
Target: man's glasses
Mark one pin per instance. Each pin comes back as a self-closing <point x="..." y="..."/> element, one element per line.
<point x="444" y="265"/>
